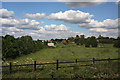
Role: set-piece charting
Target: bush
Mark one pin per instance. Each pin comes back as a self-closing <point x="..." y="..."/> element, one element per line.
<point x="94" y="45"/>
<point x="93" y="41"/>
<point x="86" y="45"/>
<point x="14" y="47"/>
<point x="117" y="43"/>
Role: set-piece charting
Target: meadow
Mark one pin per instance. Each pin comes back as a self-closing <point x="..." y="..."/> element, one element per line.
<point x="68" y="52"/>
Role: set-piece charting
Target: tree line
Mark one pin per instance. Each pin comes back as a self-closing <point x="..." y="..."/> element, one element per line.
<point x="91" y="41"/>
<point x="14" y="47"/>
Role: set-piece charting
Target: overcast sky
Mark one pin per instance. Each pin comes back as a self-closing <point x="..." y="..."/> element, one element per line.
<point x="46" y="20"/>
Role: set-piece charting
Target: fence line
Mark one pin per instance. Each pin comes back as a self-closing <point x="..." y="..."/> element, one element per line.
<point x="57" y="63"/>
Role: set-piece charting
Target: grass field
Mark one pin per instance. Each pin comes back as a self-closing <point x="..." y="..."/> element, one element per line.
<point x="68" y="52"/>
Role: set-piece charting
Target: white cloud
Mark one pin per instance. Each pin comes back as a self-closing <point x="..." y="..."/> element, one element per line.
<point x="108" y="23"/>
<point x="107" y="28"/>
<point x="118" y="2"/>
<point x="35" y="16"/>
<point x="28" y="24"/>
<point x="71" y="16"/>
<point x="9" y="24"/>
<point x="56" y="27"/>
<point x="54" y="31"/>
<point x="104" y="32"/>
<point x="54" y="34"/>
<point x="20" y="23"/>
<point x="4" y="13"/>
<point x="92" y="24"/>
<point x="82" y="3"/>
<point x="13" y="31"/>
<point x="10" y="30"/>
<point x="99" y="29"/>
<point x="6" y="22"/>
<point x="20" y="27"/>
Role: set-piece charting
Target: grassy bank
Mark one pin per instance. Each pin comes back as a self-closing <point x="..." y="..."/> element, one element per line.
<point x="68" y="52"/>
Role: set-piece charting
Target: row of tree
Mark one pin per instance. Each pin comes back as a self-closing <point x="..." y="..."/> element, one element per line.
<point x="14" y="47"/>
<point x="81" y="40"/>
<point x="91" y="41"/>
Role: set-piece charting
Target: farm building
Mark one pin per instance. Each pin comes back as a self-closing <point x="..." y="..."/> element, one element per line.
<point x="51" y="44"/>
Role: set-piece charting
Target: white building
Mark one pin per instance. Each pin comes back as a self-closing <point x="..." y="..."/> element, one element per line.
<point x="51" y="44"/>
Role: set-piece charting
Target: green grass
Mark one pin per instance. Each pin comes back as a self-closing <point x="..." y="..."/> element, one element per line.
<point x="100" y="70"/>
<point x="68" y="52"/>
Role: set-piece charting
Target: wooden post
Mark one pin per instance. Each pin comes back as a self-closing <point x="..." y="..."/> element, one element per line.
<point x="93" y="60"/>
<point x="52" y="75"/>
<point x="76" y="60"/>
<point x="10" y="65"/>
<point x="57" y="65"/>
<point x="34" y="65"/>
<point x="108" y="60"/>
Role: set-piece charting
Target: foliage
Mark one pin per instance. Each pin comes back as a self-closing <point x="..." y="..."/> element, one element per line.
<point x="70" y="52"/>
<point x="105" y="40"/>
<point x="14" y="47"/>
<point x="93" y="41"/>
<point x="80" y="40"/>
<point x="117" y="43"/>
<point x="87" y="41"/>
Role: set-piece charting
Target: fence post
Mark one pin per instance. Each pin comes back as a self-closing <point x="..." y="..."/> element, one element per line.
<point x="10" y="65"/>
<point x="52" y="75"/>
<point x="108" y="60"/>
<point x="93" y="60"/>
<point x="57" y="64"/>
<point x="34" y="65"/>
<point x="76" y="60"/>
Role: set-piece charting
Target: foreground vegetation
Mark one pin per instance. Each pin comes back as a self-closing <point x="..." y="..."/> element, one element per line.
<point x="68" y="52"/>
<point x="99" y="70"/>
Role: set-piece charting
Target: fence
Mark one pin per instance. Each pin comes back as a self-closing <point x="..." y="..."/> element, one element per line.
<point x="57" y="63"/>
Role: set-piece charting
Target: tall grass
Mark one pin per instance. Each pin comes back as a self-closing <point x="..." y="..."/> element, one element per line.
<point x="68" y="52"/>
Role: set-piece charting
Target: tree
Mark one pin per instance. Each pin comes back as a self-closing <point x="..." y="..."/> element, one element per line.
<point x="93" y="41"/>
<point x="87" y="42"/>
<point x="105" y="40"/>
<point x="117" y="43"/>
<point x="71" y="38"/>
<point x="77" y="36"/>
<point x="15" y="47"/>
<point x="9" y="50"/>
<point x="82" y="36"/>
<point x="77" y="40"/>
<point x="82" y="39"/>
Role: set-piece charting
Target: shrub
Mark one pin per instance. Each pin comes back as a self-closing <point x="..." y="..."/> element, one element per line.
<point x="117" y="43"/>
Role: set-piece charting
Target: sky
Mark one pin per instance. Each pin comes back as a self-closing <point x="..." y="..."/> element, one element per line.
<point x="47" y="20"/>
<point x="59" y="0"/>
